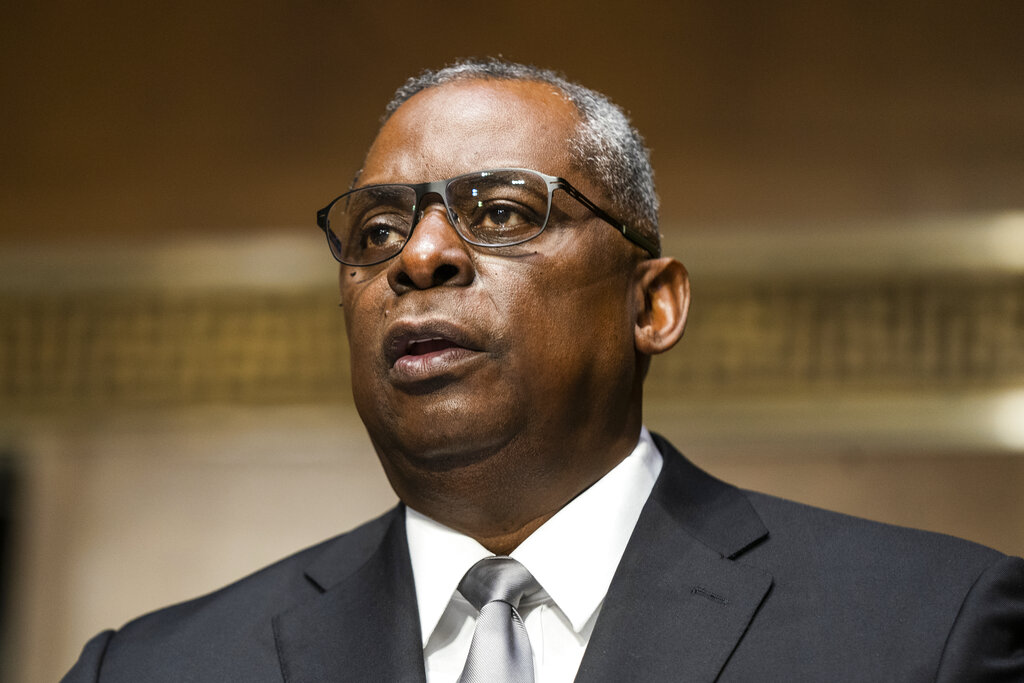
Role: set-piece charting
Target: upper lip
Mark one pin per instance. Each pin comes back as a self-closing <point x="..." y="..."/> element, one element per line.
<point x="403" y="335"/>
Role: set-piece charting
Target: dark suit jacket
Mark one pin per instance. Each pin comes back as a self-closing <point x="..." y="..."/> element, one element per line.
<point x="715" y="584"/>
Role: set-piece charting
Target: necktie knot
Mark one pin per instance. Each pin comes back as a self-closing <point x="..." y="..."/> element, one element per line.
<point x="500" y="651"/>
<point x="497" y="578"/>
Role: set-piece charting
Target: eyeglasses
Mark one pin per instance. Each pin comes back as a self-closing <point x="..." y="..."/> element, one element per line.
<point x="496" y="208"/>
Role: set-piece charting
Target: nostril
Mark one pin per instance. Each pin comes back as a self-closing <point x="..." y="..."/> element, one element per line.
<point x="404" y="280"/>
<point x="444" y="273"/>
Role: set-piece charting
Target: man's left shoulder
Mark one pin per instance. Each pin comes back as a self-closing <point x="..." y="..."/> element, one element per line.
<point x="807" y="533"/>
<point x="905" y="604"/>
<point x="892" y="576"/>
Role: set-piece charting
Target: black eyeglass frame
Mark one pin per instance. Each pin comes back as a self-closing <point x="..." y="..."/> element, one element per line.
<point x="440" y="188"/>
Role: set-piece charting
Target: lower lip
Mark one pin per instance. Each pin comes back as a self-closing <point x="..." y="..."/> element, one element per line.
<point x="433" y="365"/>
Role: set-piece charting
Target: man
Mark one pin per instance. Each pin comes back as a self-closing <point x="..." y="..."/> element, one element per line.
<point x="504" y="294"/>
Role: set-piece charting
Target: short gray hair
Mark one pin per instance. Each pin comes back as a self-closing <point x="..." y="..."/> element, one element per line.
<point x="605" y="146"/>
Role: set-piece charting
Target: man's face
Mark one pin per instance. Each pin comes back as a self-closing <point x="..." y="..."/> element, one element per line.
<point x="463" y="354"/>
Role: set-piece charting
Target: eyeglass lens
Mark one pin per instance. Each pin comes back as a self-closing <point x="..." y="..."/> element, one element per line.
<point x="487" y="208"/>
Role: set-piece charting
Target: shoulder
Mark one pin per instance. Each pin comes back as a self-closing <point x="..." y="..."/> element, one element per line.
<point x="267" y="591"/>
<point x="934" y="604"/>
<point x="804" y="532"/>
<point x="873" y="600"/>
<point x="230" y="626"/>
<point x="787" y="537"/>
<point x="923" y="573"/>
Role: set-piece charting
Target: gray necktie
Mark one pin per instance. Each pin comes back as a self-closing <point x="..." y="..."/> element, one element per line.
<point x="500" y="651"/>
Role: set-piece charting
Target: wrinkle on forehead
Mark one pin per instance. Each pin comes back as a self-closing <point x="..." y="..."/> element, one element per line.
<point x="470" y="125"/>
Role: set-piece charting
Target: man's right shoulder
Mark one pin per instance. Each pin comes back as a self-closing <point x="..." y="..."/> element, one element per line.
<point x="230" y="626"/>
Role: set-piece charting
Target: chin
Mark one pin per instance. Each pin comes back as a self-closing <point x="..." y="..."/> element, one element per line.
<point x="439" y="447"/>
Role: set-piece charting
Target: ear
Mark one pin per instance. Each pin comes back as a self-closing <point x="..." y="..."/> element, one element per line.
<point x="663" y="301"/>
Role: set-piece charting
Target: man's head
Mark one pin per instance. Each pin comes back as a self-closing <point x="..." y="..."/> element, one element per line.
<point x="496" y="383"/>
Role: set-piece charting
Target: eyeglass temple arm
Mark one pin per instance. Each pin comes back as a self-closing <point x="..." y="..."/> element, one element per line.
<point x="634" y="236"/>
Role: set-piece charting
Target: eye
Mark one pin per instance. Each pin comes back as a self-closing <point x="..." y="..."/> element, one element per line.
<point x="504" y="222"/>
<point x="502" y="216"/>
<point x="376" y="236"/>
<point x="381" y="234"/>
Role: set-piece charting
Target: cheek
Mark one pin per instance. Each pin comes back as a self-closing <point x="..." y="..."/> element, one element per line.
<point x="365" y="313"/>
<point x="570" y="326"/>
<point x="364" y="309"/>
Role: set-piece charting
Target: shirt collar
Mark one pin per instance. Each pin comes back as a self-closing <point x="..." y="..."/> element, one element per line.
<point x="573" y="555"/>
<point x="440" y="557"/>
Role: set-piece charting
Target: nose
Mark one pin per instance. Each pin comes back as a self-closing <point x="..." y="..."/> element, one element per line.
<point x="434" y="256"/>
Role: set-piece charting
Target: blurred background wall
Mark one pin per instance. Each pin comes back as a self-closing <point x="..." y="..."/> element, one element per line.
<point x="845" y="181"/>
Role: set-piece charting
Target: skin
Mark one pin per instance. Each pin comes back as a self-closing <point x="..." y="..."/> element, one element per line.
<point x="535" y="390"/>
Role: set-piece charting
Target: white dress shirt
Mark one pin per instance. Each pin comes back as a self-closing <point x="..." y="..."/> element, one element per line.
<point x="573" y="557"/>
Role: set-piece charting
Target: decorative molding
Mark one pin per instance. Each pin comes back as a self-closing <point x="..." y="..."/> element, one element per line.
<point x="103" y="350"/>
<point x="931" y="334"/>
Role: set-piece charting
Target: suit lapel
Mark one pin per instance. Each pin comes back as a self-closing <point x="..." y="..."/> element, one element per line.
<point x="679" y="603"/>
<point x="364" y="626"/>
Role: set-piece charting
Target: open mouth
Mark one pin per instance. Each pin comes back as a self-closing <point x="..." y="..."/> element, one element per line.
<point x="423" y="353"/>
<point x="423" y="347"/>
<point x="429" y="352"/>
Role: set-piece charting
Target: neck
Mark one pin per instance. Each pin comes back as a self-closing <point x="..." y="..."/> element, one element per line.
<point x="502" y="498"/>
<point x="504" y="544"/>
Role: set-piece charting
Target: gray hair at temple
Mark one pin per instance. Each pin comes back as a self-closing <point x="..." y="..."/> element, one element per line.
<point x="606" y="146"/>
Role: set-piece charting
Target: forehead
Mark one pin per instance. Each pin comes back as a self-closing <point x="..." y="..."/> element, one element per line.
<point x="470" y="125"/>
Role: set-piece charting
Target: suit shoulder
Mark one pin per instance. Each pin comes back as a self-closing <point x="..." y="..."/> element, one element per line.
<point x="811" y="534"/>
<point x="893" y="596"/>
<point x="266" y="589"/>
<point x="234" y="622"/>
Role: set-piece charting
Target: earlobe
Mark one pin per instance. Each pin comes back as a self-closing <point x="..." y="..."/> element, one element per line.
<point x="663" y="301"/>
